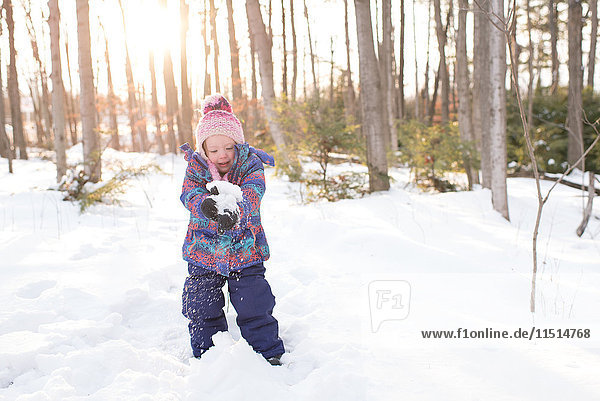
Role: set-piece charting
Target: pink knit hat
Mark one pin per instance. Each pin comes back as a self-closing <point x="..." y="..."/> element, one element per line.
<point x="217" y="119"/>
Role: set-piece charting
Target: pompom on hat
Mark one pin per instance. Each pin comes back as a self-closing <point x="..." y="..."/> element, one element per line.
<point x="217" y="119"/>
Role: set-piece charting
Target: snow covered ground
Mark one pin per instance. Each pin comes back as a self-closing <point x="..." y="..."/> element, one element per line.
<point x="90" y="303"/>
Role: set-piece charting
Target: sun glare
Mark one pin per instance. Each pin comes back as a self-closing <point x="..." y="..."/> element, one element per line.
<point x="152" y="27"/>
<point x="148" y="26"/>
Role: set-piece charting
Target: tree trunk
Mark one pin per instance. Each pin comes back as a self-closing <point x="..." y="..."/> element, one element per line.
<point x="91" y="141"/>
<point x="425" y="91"/>
<point x="588" y="209"/>
<point x="312" y="54"/>
<point x="443" y="68"/>
<point x="294" y="52"/>
<point x="35" y="102"/>
<point x="372" y="123"/>
<point x="331" y="84"/>
<point x="236" y="80"/>
<point x="131" y="99"/>
<point x="16" y="119"/>
<point x="388" y="80"/>
<point x="213" y="23"/>
<point x="465" y="121"/>
<point x="593" y="40"/>
<point x="112" y="112"/>
<point x="481" y="90"/>
<point x="254" y="86"/>
<point x="155" y="111"/>
<point x="283" y="38"/>
<point x="58" y="91"/>
<point x="171" y="100"/>
<point x="5" y="146"/>
<point x="44" y="104"/>
<point x="71" y="112"/>
<point x="263" y="47"/>
<point x="436" y="86"/>
<point x="207" y="80"/>
<point x="350" y="97"/>
<point x="516" y="52"/>
<point x="186" y="96"/>
<point x="497" y="114"/>
<point x="112" y="107"/>
<point x="574" y="118"/>
<point x="416" y="62"/>
<point x="401" y="101"/>
<point x="270" y="27"/>
<point x="141" y="117"/>
<point x="553" y="24"/>
<point x="530" y="93"/>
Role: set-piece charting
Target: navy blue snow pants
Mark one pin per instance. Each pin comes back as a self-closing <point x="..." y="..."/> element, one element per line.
<point x="251" y="296"/>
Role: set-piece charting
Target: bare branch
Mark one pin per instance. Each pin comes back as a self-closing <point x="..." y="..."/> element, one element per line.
<point x="582" y="156"/>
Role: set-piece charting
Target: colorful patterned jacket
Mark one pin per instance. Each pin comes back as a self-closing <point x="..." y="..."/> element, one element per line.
<point x="243" y="246"/>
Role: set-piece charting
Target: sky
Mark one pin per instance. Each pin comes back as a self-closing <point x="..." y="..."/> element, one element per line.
<point x="151" y="28"/>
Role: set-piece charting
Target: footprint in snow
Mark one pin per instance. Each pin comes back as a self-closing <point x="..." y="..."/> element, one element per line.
<point x="34" y="290"/>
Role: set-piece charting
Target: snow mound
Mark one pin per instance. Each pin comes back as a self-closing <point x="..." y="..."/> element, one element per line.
<point x="90" y="304"/>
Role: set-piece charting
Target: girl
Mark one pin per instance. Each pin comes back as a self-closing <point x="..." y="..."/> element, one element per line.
<point x="225" y="242"/>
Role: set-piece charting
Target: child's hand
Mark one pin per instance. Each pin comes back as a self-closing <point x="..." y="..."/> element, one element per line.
<point x="227" y="220"/>
<point x="222" y="206"/>
<point x="209" y="208"/>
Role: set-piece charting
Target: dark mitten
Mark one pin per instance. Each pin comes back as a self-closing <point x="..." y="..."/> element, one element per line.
<point x="227" y="220"/>
<point x="209" y="208"/>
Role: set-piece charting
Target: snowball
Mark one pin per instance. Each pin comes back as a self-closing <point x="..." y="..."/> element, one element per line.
<point x="225" y="202"/>
<point x="228" y="197"/>
<point x="225" y="187"/>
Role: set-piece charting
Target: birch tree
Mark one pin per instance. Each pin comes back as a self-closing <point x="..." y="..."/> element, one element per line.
<point x="465" y="122"/>
<point x="284" y="78"/>
<point x="481" y="89"/>
<point x="14" y="96"/>
<point x="91" y="141"/>
<point x="44" y="102"/>
<point x="417" y="111"/>
<point x="5" y="146"/>
<point x="553" y="25"/>
<point x="207" y="79"/>
<point x="155" y="110"/>
<point x="58" y="91"/>
<point x="213" y="24"/>
<point x="71" y="106"/>
<point x="372" y="123"/>
<point x="350" y="96"/>
<point x="131" y="99"/>
<point x="401" y="102"/>
<point x="387" y="78"/>
<point x="263" y="46"/>
<point x="115" y="142"/>
<point x="593" y="41"/>
<point x="186" y="96"/>
<point x="575" y="103"/>
<point x="443" y="68"/>
<point x="171" y="101"/>
<point x="236" y="80"/>
<point x="312" y="54"/>
<point x="294" y="52"/>
<point x="497" y="114"/>
<point x="253" y="85"/>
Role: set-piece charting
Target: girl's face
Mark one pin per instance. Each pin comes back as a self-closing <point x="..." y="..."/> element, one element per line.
<point x="221" y="151"/>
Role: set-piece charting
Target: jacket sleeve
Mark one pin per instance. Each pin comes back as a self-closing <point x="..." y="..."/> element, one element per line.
<point x="193" y="193"/>
<point x="253" y="189"/>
